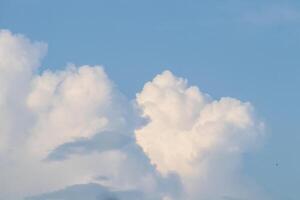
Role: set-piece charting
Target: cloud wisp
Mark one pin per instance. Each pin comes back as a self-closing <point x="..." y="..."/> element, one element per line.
<point x="71" y="134"/>
<point x="272" y="15"/>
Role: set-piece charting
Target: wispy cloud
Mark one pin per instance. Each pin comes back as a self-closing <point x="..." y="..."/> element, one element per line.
<point x="272" y="14"/>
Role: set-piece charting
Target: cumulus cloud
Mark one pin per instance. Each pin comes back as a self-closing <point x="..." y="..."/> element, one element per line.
<point x="199" y="138"/>
<point x="72" y="104"/>
<point x="18" y="59"/>
<point x="71" y="133"/>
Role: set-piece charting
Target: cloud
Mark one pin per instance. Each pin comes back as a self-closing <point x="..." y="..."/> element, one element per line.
<point x="58" y="113"/>
<point x="101" y="142"/>
<point x="19" y="54"/>
<point x="199" y="138"/>
<point x="71" y="133"/>
<point x="18" y="59"/>
<point x="72" y="104"/>
<point x="270" y="15"/>
<point x="90" y="192"/>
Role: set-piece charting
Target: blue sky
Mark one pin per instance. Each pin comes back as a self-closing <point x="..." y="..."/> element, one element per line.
<point x="243" y="49"/>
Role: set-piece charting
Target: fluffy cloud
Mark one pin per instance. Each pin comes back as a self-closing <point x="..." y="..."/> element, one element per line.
<point x="72" y="104"/>
<point x="61" y="128"/>
<point x="18" y="59"/>
<point x="199" y="138"/>
<point x="72" y="132"/>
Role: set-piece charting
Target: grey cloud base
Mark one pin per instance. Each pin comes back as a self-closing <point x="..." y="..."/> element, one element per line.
<point x="89" y="192"/>
<point x="78" y="137"/>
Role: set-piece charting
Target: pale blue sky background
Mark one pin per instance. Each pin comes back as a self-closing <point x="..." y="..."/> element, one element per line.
<point x="244" y="49"/>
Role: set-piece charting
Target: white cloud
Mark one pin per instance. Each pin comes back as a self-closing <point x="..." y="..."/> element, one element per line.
<point x="30" y="106"/>
<point x="18" y="59"/>
<point x="197" y="137"/>
<point x="72" y="104"/>
<point x="190" y="147"/>
<point x="18" y="54"/>
<point x="39" y="113"/>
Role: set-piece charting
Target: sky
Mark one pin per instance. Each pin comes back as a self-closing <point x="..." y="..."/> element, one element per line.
<point x="246" y="50"/>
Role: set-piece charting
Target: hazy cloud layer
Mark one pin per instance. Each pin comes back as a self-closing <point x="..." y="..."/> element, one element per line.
<point x="272" y="15"/>
<point x="71" y="134"/>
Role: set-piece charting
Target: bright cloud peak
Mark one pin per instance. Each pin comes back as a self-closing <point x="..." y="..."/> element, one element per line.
<point x="189" y="147"/>
<point x="185" y="123"/>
